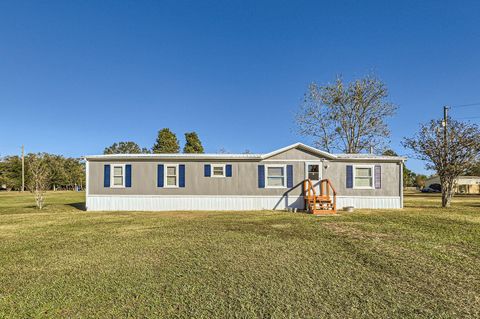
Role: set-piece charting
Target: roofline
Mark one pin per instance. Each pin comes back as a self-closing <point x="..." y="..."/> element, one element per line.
<point x="371" y="159"/>
<point x="301" y="145"/>
<point x="174" y="156"/>
<point x="259" y="157"/>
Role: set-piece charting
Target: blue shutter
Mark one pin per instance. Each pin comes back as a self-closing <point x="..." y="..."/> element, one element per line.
<point x="128" y="175"/>
<point x="106" y="175"/>
<point x="378" y="176"/>
<point x="289" y="176"/>
<point x="207" y="170"/>
<point x="181" y="175"/>
<point x="160" y="175"/>
<point x="349" y="176"/>
<point x="228" y="170"/>
<point x="261" y="176"/>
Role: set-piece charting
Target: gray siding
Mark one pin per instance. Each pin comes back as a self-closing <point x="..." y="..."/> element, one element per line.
<point x="294" y="154"/>
<point x="336" y="172"/>
<point x="243" y="182"/>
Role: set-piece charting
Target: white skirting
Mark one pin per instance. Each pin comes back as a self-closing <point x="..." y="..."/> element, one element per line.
<point x="173" y="203"/>
<point x="369" y="201"/>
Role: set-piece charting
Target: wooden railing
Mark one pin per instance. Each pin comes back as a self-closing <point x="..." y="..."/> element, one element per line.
<point x="309" y="193"/>
<point x="325" y="188"/>
<point x="327" y="191"/>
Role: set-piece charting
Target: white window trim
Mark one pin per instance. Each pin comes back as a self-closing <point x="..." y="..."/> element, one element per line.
<point x="320" y="166"/>
<point x="223" y="166"/>
<point x="165" y="175"/>
<point x="284" y="166"/>
<point x="112" y="184"/>
<point x="372" y="167"/>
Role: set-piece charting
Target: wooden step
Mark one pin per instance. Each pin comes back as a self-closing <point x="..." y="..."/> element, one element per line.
<point x="320" y="199"/>
<point x="321" y="207"/>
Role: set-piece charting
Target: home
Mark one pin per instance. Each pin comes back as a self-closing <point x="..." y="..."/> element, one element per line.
<point x="463" y="184"/>
<point x="296" y="176"/>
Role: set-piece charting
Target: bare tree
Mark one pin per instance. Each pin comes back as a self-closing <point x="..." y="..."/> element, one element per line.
<point x="38" y="177"/>
<point x="463" y="140"/>
<point x="348" y="117"/>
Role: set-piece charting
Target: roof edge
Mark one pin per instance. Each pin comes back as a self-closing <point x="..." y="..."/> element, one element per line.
<point x="300" y="145"/>
<point x="327" y="155"/>
<point x="172" y="156"/>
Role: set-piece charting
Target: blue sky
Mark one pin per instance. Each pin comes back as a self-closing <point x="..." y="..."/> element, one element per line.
<point x="76" y="76"/>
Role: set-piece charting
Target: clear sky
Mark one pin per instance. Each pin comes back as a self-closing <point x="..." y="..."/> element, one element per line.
<point x="76" y="76"/>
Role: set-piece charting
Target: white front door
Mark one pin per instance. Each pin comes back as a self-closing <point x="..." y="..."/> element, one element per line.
<point x="313" y="172"/>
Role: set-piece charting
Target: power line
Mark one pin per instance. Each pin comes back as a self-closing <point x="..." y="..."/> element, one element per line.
<point x="465" y="105"/>
<point x="469" y="118"/>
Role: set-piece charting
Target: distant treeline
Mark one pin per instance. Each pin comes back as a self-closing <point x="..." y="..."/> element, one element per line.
<point x="45" y="171"/>
<point x="62" y="172"/>
<point x="166" y="142"/>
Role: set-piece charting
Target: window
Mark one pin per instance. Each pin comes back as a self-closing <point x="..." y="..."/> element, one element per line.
<point x="275" y="176"/>
<point x="171" y="176"/>
<point x="363" y="177"/>
<point x="313" y="172"/>
<point x="118" y="175"/>
<point x="218" y="170"/>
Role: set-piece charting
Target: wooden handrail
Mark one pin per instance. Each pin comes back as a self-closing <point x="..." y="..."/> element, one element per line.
<point x="325" y="188"/>
<point x="308" y="190"/>
<point x="329" y="183"/>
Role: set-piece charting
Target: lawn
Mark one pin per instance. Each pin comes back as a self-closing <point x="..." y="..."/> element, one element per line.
<point x="422" y="261"/>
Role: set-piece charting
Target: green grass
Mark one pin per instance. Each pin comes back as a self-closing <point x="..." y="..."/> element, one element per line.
<point x="422" y="261"/>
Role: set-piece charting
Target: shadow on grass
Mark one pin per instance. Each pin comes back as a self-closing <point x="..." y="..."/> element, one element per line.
<point x="78" y="206"/>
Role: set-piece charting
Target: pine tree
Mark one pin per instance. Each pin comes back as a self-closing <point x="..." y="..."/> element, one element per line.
<point x="167" y="142"/>
<point x="193" y="143"/>
<point x="123" y="148"/>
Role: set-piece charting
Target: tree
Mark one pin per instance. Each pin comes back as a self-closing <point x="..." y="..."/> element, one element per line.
<point x="38" y="177"/>
<point x="420" y="181"/>
<point x="75" y="171"/>
<point x="167" y="142"/>
<point x="475" y="170"/>
<point x="192" y="143"/>
<point x="461" y="154"/>
<point x="124" y="148"/>
<point x="57" y="173"/>
<point x="63" y="172"/>
<point x="408" y="175"/>
<point x="389" y="152"/>
<point x="11" y="172"/>
<point x="349" y="117"/>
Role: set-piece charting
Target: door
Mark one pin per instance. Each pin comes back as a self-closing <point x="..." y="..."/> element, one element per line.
<point x="313" y="172"/>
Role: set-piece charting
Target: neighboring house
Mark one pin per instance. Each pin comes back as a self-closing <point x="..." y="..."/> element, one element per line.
<point x="155" y="182"/>
<point x="463" y="184"/>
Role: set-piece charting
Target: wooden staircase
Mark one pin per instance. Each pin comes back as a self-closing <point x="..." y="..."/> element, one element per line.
<point x="323" y="203"/>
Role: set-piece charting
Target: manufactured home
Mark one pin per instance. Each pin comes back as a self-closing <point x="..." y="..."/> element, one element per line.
<point x="463" y="184"/>
<point x="297" y="176"/>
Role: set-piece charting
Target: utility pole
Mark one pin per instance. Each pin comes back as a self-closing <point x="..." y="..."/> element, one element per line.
<point x="23" y="168"/>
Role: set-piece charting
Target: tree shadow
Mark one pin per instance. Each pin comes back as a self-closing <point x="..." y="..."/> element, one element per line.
<point x="78" y="206"/>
